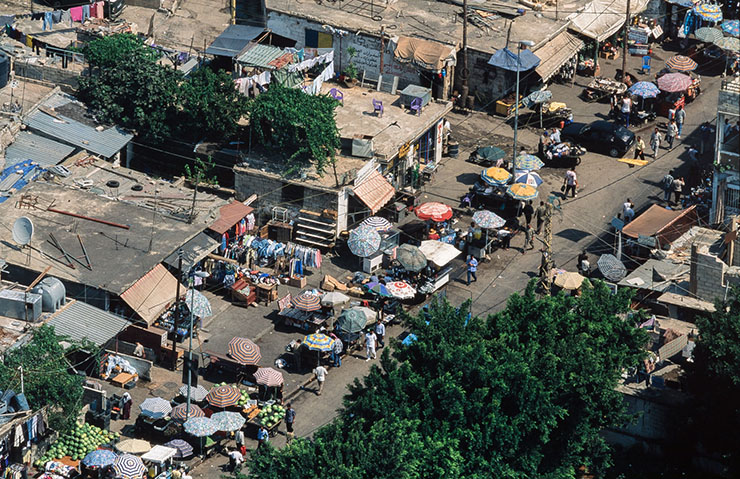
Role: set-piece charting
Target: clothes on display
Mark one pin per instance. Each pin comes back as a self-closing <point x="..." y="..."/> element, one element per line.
<point x="269" y="250"/>
<point x="245" y="84"/>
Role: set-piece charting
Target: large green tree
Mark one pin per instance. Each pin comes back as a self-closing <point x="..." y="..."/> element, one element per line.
<point x="521" y="394"/>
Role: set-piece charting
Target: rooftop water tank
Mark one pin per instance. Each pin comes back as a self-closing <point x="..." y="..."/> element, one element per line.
<point x="53" y="294"/>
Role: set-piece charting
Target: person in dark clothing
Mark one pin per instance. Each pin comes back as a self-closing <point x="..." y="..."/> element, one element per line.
<point x="540" y="213"/>
<point x="528" y="211"/>
<point x="127" y="403"/>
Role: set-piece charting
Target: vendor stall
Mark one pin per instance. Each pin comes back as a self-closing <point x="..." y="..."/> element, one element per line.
<point x="159" y="461"/>
<point x="601" y="88"/>
<point x="564" y="153"/>
<point x="439" y="255"/>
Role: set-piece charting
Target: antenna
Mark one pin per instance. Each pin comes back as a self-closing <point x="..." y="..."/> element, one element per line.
<point x="23" y="231"/>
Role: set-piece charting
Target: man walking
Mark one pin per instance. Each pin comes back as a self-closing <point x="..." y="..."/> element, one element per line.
<point x="680" y="117"/>
<point x="336" y="352"/>
<point x="528" y="238"/>
<point x="320" y="372"/>
<point x="540" y="214"/>
<point x="626" y="108"/>
<point x="380" y="333"/>
<point x="640" y="149"/>
<point x="289" y="420"/>
<point x="628" y="211"/>
<point x="678" y="185"/>
<point x="667" y="186"/>
<point x="528" y="211"/>
<point x="570" y="183"/>
<point x="472" y="268"/>
<point x="655" y="139"/>
<point x="671" y="133"/>
<point x="370" y="345"/>
<point x="263" y="437"/>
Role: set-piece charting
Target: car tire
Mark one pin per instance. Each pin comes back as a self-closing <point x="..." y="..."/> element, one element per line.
<point x="614" y="153"/>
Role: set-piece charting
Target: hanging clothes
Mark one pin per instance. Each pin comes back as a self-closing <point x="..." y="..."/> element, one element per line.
<point x="48" y="21"/>
<point x="76" y="14"/>
<point x="97" y="10"/>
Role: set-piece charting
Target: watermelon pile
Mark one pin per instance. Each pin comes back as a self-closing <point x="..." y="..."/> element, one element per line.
<point x="77" y="443"/>
<point x="243" y="399"/>
<point x="271" y="415"/>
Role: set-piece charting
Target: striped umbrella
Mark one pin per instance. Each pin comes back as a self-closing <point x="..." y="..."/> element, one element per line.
<point x="307" y="302"/>
<point x="128" y="466"/>
<point x="200" y="426"/>
<point x="520" y="191"/>
<point x="363" y="241"/>
<point x="244" y="351"/>
<point x="486" y="219"/>
<point x="197" y="393"/>
<point x="731" y="27"/>
<point x="99" y="458"/>
<point x="269" y="377"/>
<point x="645" y="89"/>
<point x="681" y="63"/>
<point x="728" y="43"/>
<point x="674" y="82"/>
<point x="377" y="289"/>
<point x="709" y="12"/>
<point x="155" y="407"/>
<point x="183" y="448"/>
<point x="528" y="178"/>
<point x="435" y="211"/>
<point x="495" y="176"/>
<point x="527" y="162"/>
<point x="708" y="34"/>
<point x="223" y="396"/>
<point x="318" y="342"/>
<point x="228" y="421"/>
<point x="381" y="225"/>
<point x="180" y="413"/>
<point x="401" y="290"/>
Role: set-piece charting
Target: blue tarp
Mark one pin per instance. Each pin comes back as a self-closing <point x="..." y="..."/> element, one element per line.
<point x="29" y="172"/>
<point x="507" y="60"/>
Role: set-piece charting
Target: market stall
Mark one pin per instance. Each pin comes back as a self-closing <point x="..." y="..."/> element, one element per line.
<point x="602" y="88"/>
<point x="159" y="461"/>
<point x="439" y="254"/>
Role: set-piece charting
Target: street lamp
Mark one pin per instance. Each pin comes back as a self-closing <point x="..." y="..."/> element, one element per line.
<point x="200" y="274"/>
<point x="520" y="44"/>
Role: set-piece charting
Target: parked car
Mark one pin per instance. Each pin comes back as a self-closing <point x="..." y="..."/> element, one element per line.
<point x="601" y="137"/>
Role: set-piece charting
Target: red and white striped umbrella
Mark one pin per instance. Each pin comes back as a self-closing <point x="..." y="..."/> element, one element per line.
<point x="674" y="82"/>
<point x="434" y="211"/>
<point x="269" y="377"/>
<point x="401" y="290"/>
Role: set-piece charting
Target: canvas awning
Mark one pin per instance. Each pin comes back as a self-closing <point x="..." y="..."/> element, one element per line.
<point x="193" y="251"/>
<point x="601" y="19"/>
<point x="159" y="454"/>
<point x="233" y="40"/>
<point x="555" y="53"/>
<point x="374" y="191"/>
<point x="427" y="54"/>
<point x="663" y="224"/>
<point x="152" y="293"/>
<point x="439" y="253"/>
<point x="230" y="215"/>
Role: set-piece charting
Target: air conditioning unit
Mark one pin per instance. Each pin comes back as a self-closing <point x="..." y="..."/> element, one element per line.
<point x="20" y="305"/>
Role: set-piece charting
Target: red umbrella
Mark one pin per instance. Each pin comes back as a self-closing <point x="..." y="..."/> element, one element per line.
<point x="674" y="82"/>
<point x="434" y="211"/>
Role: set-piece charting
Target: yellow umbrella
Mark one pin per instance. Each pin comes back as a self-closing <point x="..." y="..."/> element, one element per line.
<point x="496" y="174"/>
<point x="568" y="280"/>
<point x="522" y="191"/>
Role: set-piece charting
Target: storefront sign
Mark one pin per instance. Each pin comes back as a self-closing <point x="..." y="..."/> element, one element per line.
<point x="657" y="32"/>
<point x="404" y="149"/>
<point x="438" y="141"/>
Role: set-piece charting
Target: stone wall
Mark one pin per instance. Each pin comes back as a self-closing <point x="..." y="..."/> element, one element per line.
<point x="710" y="276"/>
<point x="65" y="78"/>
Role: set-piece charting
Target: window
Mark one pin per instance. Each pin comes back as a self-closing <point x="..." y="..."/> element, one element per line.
<point x="732" y="199"/>
<point x="317" y="39"/>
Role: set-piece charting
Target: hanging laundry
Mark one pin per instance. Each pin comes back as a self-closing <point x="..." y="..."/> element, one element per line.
<point x="48" y="21"/>
<point x="56" y="15"/>
<point x="97" y="10"/>
<point x="76" y="14"/>
<point x="29" y="41"/>
<point x="85" y="12"/>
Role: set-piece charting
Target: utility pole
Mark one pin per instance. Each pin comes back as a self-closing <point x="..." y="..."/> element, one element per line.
<point x="465" y="72"/>
<point x="177" y="310"/>
<point x="546" y="265"/>
<point x="624" y="42"/>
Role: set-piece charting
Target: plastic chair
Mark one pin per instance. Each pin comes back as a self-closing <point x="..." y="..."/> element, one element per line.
<point x="378" y="107"/>
<point x="337" y="95"/>
<point x="416" y="105"/>
<point x="646" y="64"/>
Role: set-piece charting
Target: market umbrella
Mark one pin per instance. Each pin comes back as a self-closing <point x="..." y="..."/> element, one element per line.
<point x="728" y="43"/>
<point x="228" y="421"/>
<point x="528" y="178"/>
<point x="520" y="191"/>
<point x="435" y="211"/>
<point x="611" y="267"/>
<point x="644" y="89"/>
<point x="183" y="448"/>
<point x="318" y="342"/>
<point x="269" y="377"/>
<point x="674" y="82"/>
<point x="133" y="446"/>
<point x="401" y="290"/>
<point x="155" y="407"/>
<point x="180" y="412"/>
<point x="363" y="241"/>
<point x="351" y="321"/>
<point x="568" y="280"/>
<point x="488" y="220"/>
<point x="731" y="27"/>
<point x="334" y="298"/>
<point x="527" y="162"/>
<point x="307" y="302"/>
<point x="197" y="393"/>
<point x="709" y="12"/>
<point x="681" y="63"/>
<point x="381" y="225"/>
<point x="490" y="153"/>
<point x="99" y="458"/>
<point x="200" y="304"/>
<point x="222" y="396"/>
<point x="708" y="34"/>
<point x="128" y="466"/>
<point x="539" y="96"/>
<point x="495" y="176"/>
<point x="377" y="289"/>
<point x="411" y="258"/>
<point x="200" y="426"/>
<point x="244" y="351"/>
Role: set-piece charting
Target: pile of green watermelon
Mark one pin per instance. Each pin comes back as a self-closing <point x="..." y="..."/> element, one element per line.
<point x="243" y="399"/>
<point x="271" y="415"/>
<point x="77" y="443"/>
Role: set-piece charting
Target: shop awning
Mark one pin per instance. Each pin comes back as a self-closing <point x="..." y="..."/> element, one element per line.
<point x="556" y="53"/>
<point x="233" y="40"/>
<point x="438" y="252"/>
<point x="159" y="454"/>
<point x="230" y="215"/>
<point x="193" y="251"/>
<point x="427" y="54"/>
<point x="663" y="224"/>
<point x="601" y="19"/>
<point x="152" y="293"/>
<point x="374" y="191"/>
<point x="80" y="320"/>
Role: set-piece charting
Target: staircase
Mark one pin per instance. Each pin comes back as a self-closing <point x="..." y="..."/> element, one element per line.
<point x="314" y="230"/>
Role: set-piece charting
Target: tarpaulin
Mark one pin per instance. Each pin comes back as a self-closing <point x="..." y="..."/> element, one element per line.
<point x="508" y="60"/>
<point x="427" y="54"/>
<point x="601" y="19"/>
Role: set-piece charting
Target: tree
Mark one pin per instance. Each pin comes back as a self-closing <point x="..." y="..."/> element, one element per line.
<point x="47" y="376"/>
<point x="298" y="125"/>
<point x="197" y="175"/>
<point x="520" y="394"/>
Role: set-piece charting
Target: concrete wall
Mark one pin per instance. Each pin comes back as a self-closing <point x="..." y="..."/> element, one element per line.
<point x="50" y="74"/>
<point x="486" y="83"/>
<point x="142" y="366"/>
<point x="710" y="276"/>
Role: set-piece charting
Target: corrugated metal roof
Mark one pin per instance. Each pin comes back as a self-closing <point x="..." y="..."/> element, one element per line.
<point x="80" y="320"/>
<point x="233" y="40"/>
<point x="193" y="251"/>
<point x="42" y="150"/>
<point x="262" y="56"/>
<point x="229" y="215"/>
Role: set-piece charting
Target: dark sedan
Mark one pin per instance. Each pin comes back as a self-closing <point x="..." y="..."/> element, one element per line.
<point x="600" y="136"/>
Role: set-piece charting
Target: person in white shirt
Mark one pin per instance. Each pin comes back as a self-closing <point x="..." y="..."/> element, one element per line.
<point x="626" y="108"/>
<point x="380" y="333"/>
<point x="570" y="183"/>
<point x="555" y="136"/>
<point x="370" y="345"/>
<point x="320" y="373"/>
<point x="235" y="460"/>
<point x="628" y="210"/>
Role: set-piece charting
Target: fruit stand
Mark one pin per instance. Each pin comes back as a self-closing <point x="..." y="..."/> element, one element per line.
<point x="270" y="416"/>
<point x="75" y="444"/>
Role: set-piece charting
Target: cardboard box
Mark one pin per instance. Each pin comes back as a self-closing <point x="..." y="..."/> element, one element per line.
<point x="327" y="286"/>
<point x="297" y="281"/>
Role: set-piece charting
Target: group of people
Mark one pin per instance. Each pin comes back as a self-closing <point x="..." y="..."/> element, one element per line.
<point x="548" y="138"/>
<point x="676" y="120"/>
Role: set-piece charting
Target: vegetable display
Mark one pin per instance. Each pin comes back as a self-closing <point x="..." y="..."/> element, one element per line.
<point x="77" y="443"/>
<point x="271" y="415"/>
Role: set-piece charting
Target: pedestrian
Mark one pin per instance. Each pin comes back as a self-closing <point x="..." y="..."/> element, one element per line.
<point x="472" y="268"/>
<point x="678" y="185"/>
<point x="127" y="403"/>
<point x="289" y="420"/>
<point x="671" y="133"/>
<point x="370" y="345"/>
<point x="626" y="108"/>
<point x="640" y="148"/>
<point x="540" y="214"/>
<point x="555" y="136"/>
<point x="628" y="211"/>
<point x="139" y="350"/>
<point x="380" y="333"/>
<point x="239" y="439"/>
<point x="504" y="237"/>
<point x="528" y="211"/>
<point x="528" y="238"/>
<point x="263" y="437"/>
<point x="236" y="458"/>
<point x="667" y="185"/>
<point x="320" y="372"/>
<point x="680" y="117"/>
<point x="336" y="352"/>
<point x="655" y="139"/>
<point x="584" y="267"/>
<point x="543" y="143"/>
<point x="570" y="182"/>
<point x="671" y="114"/>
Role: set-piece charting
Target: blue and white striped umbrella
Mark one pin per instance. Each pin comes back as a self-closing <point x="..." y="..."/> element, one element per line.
<point x="197" y="393"/>
<point x="128" y="466"/>
<point x="318" y="342"/>
<point x="709" y="11"/>
<point x="731" y="27"/>
<point x="99" y="458"/>
<point x="528" y="178"/>
<point x="381" y="225"/>
<point x="183" y="448"/>
<point x="527" y="162"/>
<point x="155" y="407"/>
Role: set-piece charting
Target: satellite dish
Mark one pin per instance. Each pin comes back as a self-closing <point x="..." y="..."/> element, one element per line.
<point x="22" y="231"/>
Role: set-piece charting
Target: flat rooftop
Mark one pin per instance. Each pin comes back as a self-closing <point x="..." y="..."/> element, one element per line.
<point x="27" y="94"/>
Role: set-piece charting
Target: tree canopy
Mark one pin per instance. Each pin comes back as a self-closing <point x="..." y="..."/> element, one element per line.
<point x="521" y="394"/>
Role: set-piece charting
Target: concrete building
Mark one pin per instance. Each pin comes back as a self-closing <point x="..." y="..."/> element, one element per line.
<point x="726" y="180"/>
